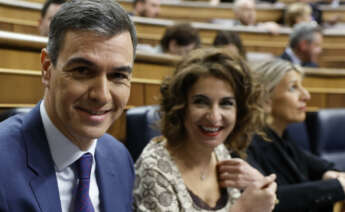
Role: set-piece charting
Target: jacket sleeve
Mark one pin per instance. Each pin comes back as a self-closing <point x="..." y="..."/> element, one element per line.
<point x="3" y="205"/>
<point x="303" y="196"/>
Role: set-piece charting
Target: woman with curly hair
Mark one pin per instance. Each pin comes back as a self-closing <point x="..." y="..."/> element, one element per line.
<point x="209" y="105"/>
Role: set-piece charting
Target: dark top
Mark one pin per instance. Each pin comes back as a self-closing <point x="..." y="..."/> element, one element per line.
<point x="299" y="174"/>
<point x="221" y="202"/>
<point x="286" y="56"/>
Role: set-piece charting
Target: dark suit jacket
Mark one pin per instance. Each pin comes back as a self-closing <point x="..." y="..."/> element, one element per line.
<point x="27" y="175"/>
<point x="299" y="175"/>
<point x="286" y="56"/>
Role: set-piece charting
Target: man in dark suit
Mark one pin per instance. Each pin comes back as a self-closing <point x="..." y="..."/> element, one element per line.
<point x="57" y="158"/>
<point x="305" y="45"/>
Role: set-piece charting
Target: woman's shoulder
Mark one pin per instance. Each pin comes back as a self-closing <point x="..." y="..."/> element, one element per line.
<point x="155" y="158"/>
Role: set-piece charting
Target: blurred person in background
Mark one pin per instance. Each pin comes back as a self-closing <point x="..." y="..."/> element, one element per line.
<point x="305" y="45"/>
<point x="146" y="8"/>
<point x="48" y="11"/>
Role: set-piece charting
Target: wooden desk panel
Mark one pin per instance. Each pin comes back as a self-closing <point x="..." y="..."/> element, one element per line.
<point x="20" y="10"/>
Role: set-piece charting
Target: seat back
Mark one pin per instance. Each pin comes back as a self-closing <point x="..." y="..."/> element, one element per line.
<point x="13" y="111"/>
<point x="140" y="128"/>
<point x="301" y="133"/>
<point x="330" y="135"/>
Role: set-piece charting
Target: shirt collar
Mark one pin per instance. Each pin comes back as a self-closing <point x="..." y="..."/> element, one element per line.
<point x="294" y="58"/>
<point x="63" y="151"/>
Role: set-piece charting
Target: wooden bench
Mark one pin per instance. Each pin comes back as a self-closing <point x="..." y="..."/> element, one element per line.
<point x="184" y="10"/>
<point x="150" y="31"/>
<point x="204" y="12"/>
<point x="23" y="88"/>
<point x="23" y="53"/>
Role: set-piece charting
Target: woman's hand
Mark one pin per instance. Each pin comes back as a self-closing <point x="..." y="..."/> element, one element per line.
<point x="340" y="176"/>
<point x="237" y="173"/>
<point x="258" y="197"/>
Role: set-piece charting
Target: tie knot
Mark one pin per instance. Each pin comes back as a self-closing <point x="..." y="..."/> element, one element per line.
<point x="83" y="166"/>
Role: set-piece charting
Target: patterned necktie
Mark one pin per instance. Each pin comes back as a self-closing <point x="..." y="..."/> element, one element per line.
<point x="82" y="200"/>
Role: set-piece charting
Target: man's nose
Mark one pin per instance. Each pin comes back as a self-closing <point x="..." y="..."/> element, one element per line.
<point x="100" y="91"/>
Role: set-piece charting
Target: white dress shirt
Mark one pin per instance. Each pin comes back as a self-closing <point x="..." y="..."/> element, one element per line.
<point x="64" y="154"/>
<point x="294" y="58"/>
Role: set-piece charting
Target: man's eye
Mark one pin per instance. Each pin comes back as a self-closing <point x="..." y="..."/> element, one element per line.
<point x="81" y="70"/>
<point x="118" y="76"/>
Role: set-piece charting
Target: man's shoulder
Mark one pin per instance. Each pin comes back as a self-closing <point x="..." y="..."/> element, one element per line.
<point x="285" y="56"/>
<point x="10" y="129"/>
<point x="113" y="148"/>
<point x="108" y="141"/>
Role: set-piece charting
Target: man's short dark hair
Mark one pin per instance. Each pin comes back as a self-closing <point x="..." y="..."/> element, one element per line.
<point x="224" y="38"/>
<point x="303" y="31"/>
<point x="48" y="3"/>
<point x="184" y="34"/>
<point x="104" y="17"/>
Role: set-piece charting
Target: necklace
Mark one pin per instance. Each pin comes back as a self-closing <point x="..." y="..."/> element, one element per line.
<point x="204" y="173"/>
<point x="203" y="176"/>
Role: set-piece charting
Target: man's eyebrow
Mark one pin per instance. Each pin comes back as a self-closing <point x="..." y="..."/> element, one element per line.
<point x="127" y="69"/>
<point x="80" y="60"/>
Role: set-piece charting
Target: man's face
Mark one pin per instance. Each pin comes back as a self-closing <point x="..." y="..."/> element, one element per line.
<point x="89" y="87"/>
<point x="45" y="21"/>
<point x="314" y="48"/>
<point x="247" y="14"/>
<point x="150" y="8"/>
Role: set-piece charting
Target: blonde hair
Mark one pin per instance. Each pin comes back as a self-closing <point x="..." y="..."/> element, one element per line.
<point x="271" y="72"/>
<point x="295" y="11"/>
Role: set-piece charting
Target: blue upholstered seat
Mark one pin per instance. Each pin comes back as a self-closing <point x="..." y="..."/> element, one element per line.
<point x="141" y="128"/>
<point x="330" y="135"/>
<point x="13" y="111"/>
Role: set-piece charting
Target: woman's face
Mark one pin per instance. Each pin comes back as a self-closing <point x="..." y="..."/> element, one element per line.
<point x="289" y="99"/>
<point x="211" y="112"/>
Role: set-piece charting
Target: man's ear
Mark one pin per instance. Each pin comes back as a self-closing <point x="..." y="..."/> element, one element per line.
<point x="46" y="67"/>
<point x="172" y="47"/>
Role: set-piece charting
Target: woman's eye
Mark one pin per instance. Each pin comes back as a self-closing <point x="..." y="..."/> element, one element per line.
<point x="293" y="87"/>
<point x="199" y="101"/>
<point x="228" y="103"/>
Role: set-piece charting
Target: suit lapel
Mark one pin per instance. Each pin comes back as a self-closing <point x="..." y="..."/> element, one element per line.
<point x="44" y="183"/>
<point x="106" y="178"/>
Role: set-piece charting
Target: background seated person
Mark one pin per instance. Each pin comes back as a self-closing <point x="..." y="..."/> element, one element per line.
<point x="231" y="41"/>
<point x="178" y="172"/>
<point x="48" y="11"/>
<point x="305" y="45"/>
<point x="245" y="14"/>
<point x="179" y="39"/>
<point x="146" y="8"/>
<point x="297" y="13"/>
<point x="305" y="182"/>
<point x="316" y="12"/>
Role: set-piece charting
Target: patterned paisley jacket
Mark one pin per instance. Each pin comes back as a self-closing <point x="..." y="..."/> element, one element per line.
<point x="159" y="185"/>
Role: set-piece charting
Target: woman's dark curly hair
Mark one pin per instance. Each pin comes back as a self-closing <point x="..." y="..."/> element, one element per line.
<point x="223" y="65"/>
